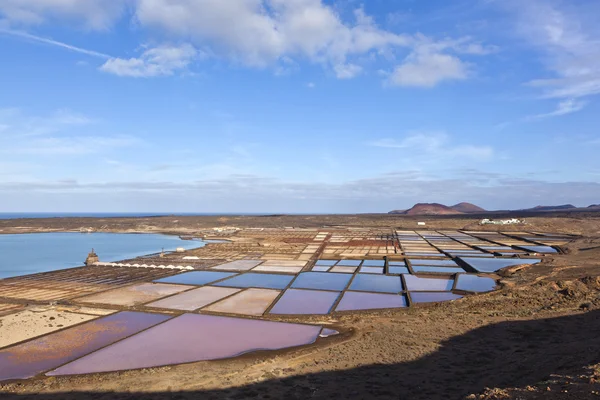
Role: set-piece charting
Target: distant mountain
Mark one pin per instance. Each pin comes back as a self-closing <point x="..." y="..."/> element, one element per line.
<point x="427" y="209"/>
<point x="397" y="212"/>
<point x="552" y="208"/>
<point x="467" y="208"/>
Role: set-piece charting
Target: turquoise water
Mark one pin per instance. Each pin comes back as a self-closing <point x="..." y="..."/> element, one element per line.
<point x="40" y="252"/>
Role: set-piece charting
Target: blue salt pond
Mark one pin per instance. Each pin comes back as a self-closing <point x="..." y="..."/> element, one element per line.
<point x="437" y="270"/>
<point x="253" y="280"/>
<point x="474" y="283"/>
<point x="495" y="264"/>
<point x="376" y="283"/>
<point x="539" y="249"/>
<point x="321" y="281"/>
<point x="398" y="270"/>
<point x="350" y="263"/>
<point x="420" y="261"/>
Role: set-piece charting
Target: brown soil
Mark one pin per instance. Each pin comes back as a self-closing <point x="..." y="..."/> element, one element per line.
<point x="537" y="337"/>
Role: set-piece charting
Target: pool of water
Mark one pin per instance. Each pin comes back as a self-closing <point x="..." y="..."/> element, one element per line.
<point x="31" y="253"/>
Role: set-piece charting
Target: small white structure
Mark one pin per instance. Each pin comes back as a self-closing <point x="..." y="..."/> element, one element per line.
<point x="512" y="221"/>
<point x="421" y="223"/>
<point x="180" y="250"/>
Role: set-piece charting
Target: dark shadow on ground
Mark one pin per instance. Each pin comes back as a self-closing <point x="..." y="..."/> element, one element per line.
<point x="509" y="354"/>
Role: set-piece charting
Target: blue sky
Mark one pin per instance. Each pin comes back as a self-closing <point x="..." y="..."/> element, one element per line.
<point x="297" y="105"/>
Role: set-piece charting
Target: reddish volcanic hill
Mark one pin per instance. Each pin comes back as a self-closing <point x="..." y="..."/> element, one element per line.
<point x="467" y="208"/>
<point x="431" y="209"/>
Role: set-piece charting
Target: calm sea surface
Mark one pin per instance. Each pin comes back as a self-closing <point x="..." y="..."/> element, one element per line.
<point x="40" y="252"/>
<point x="110" y="215"/>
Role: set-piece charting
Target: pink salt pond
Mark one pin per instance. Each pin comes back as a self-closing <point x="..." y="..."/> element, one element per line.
<point x="191" y="338"/>
<point x="30" y="358"/>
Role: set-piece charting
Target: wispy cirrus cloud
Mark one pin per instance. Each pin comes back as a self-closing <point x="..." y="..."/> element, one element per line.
<point x="435" y="144"/>
<point x="564" y="107"/>
<point x="73" y="145"/>
<point x="567" y="35"/>
<point x="51" y="42"/>
<point x="62" y="132"/>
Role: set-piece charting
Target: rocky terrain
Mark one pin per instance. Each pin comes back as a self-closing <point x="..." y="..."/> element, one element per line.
<point x="537" y="337"/>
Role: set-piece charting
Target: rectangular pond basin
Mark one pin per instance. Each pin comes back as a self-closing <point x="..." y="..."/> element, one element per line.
<point x="439" y="263"/>
<point x="495" y="264"/>
<point x="196" y="277"/>
<point x="349" y="263"/>
<point x="328" y="263"/>
<point x="474" y="283"/>
<point x="373" y="263"/>
<point x="397" y="263"/>
<point x="398" y="270"/>
<point x="427" y="284"/>
<point x="264" y="281"/>
<point x="134" y="295"/>
<point x="194" y="299"/>
<point x="284" y="269"/>
<point x="353" y="301"/>
<point x="31" y="358"/>
<point x="539" y="249"/>
<point x="343" y="270"/>
<point x="413" y="254"/>
<point x="249" y="302"/>
<point x="432" y="297"/>
<point x="191" y="338"/>
<point x="480" y="255"/>
<point x="302" y="302"/>
<point x="321" y="281"/>
<point x="376" y="283"/>
<point x="371" y="270"/>
<point x="436" y="270"/>
<point x="239" y="265"/>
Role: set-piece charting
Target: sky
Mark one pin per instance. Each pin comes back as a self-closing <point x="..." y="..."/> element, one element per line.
<point x="297" y="106"/>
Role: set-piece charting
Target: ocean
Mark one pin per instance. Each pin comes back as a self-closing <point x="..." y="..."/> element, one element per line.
<point x="30" y="253"/>
<point x="92" y="215"/>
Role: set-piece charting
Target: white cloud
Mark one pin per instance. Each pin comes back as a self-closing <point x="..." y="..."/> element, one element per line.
<point x="259" y="33"/>
<point x="436" y="145"/>
<point x="567" y="34"/>
<point x="277" y="34"/>
<point x="565" y="107"/>
<point x="157" y="61"/>
<point x="265" y="32"/>
<point x="94" y="14"/>
<point x="424" y="69"/>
